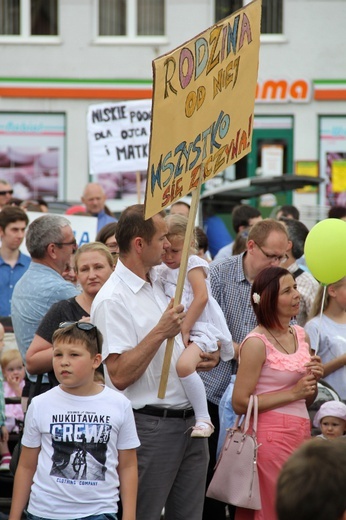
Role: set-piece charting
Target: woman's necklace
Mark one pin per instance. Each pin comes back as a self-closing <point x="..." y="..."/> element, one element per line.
<point x="278" y="342"/>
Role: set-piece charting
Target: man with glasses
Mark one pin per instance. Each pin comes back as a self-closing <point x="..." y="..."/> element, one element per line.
<point x="231" y="281"/>
<point x="50" y="242"/>
<point x="6" y="192"/>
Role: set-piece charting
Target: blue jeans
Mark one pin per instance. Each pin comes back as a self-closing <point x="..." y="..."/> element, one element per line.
<point x="104" y="516"/>
<point x="227" y="415"/>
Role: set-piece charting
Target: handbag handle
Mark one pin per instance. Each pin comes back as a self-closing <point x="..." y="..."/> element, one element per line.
<point x="253" y="403"/>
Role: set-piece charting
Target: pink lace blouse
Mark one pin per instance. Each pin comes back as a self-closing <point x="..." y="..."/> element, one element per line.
<point x="281" y="371"/>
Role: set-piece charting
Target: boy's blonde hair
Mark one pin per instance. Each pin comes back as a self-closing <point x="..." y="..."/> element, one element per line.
<point x="177" y="225"/>
<point x="8" y="356"/>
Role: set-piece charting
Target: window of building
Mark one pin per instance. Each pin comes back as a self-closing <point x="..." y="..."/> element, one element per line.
<point x="44" y="17"/>
<point x="272" y="13"/>
<point x="131" y="18"/>
<point x="28" y="18"/>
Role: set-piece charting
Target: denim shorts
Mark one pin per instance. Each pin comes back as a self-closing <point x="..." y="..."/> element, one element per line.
<point x="104" y="516"/>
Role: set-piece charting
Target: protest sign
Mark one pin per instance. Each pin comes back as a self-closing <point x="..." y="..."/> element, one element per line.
<point x="203" y="104"/>
<point x="118" y="136"/>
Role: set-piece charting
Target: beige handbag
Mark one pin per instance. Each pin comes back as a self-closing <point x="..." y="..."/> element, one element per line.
<point x="235" y="479"/>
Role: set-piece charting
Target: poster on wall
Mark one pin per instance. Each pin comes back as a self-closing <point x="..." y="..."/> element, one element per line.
<point x="118" y="142"/>
<point x="32" y="154"/>
<point x="307" y="168"/>
<point x="333" y="160"/>
<point x="272" y="160"/>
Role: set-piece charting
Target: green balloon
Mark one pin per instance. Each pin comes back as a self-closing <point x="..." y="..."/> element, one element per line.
<point x="325" y="250"/>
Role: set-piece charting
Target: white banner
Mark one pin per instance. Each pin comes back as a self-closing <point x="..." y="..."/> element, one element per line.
<point x="118" y="136"/>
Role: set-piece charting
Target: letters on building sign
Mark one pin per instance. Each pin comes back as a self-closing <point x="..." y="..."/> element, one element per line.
<point x="283" y="91"/>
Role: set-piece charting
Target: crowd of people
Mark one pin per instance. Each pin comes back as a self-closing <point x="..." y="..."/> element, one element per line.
<point x="97" y="439"/>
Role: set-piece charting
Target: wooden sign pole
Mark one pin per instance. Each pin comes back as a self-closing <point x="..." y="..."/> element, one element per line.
<point x="138" y="185"/>
<point x="181" y="280"/>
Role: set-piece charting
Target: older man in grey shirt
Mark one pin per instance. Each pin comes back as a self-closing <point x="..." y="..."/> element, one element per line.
<point x="50" y="242"/>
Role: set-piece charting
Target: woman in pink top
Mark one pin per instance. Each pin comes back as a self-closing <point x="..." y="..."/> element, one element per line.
<point x="275" y="363"/>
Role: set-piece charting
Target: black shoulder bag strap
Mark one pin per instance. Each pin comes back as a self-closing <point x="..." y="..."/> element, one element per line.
<point x="297" y="273"/>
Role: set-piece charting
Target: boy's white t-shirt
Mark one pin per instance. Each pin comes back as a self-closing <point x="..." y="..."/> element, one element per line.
<point x="80" y="437"/>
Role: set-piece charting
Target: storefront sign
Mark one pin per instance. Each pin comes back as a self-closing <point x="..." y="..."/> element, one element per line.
<point x="283" y="91"/>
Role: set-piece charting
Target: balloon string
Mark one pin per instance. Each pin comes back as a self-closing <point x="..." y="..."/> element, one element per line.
<point x="320" y="320"/>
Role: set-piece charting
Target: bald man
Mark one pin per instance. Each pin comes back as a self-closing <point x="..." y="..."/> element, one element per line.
<point x="94" y="199"/>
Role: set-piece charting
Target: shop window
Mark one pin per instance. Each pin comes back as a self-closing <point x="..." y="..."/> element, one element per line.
<point x="131" y="18"/>
<point x="27" y="18"/>
<point x="33" y="154"/>
<point x="272" y="13"/>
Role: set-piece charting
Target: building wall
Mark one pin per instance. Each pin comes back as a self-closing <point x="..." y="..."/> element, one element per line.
<point x="311" y="48"/>
<point x="313" y="32"/>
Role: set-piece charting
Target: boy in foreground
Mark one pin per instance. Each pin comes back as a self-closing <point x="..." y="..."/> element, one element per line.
<point x="79" y="440"/>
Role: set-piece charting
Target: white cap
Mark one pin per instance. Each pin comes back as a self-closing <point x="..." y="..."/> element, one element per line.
<point x="330" y="409"/>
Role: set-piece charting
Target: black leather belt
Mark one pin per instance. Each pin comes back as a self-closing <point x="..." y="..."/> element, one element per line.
<point x="166" y="412"/>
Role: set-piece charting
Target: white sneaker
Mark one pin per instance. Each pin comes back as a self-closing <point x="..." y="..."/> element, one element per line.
<point x="5" y="463"/>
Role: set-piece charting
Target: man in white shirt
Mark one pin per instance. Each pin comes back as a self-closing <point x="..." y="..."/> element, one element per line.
<point x="131" y="312"/>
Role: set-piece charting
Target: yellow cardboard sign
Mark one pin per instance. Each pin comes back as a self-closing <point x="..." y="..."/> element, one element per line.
<point x="203" y="104"/>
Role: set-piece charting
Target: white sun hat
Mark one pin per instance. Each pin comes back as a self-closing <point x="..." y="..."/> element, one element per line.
<point x="330" y="409"/>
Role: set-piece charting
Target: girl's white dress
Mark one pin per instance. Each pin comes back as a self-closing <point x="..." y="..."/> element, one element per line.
<point x="211" y="325"/>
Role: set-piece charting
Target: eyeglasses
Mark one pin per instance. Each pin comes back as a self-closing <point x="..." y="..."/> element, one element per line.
<point x="72" y="243"/>
<point x="113" y="248"/>
<point x="6" y="192"/>
<point x="274" y="258"/>
<point x="83" y="325"/>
